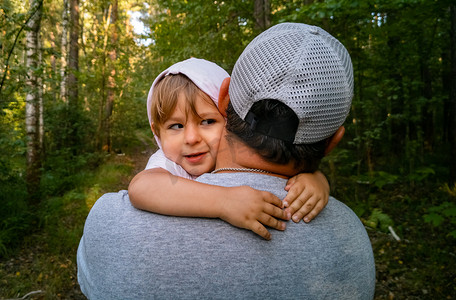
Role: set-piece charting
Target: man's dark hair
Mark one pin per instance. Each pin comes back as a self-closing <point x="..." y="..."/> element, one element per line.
<point x="306" y="157"/>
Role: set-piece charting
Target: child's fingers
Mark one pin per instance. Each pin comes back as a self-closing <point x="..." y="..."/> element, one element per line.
<point x="304" y="208"/>
<point x="290" y="182"/>
<point x="314" y="212"/>
<point x="272" y="222"/>
<point x="259" y="229"/>
<point x="272" y="199"/>
<point x="298" y="203"/>
<point x="291" y="197"/>
<point x="273" y="207"/>
<point x="276" y="212"/>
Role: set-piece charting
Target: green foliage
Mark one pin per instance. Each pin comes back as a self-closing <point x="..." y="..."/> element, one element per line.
<point x="68" y="130"/>
<point x="382" y="178"/>
<point x="443" y="214"/>
<point x="378" y="179"/>
<point x="213" y="30"/>
<point x="126" y="120"/>
<point x="65" y="171"/>
<point x="379" y="220"/>
<point x="49" y="263"/>
<point x="421" y="174"/>
<point x="12" y="18"/>
<point x="62" y="220"/>
<point x="108" y="175"/>
<point x="16" y="222"/>
<point x="16" y="219"/>
<point x="394" y="154"/>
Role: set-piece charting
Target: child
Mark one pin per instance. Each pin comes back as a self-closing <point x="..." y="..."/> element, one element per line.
<point x="183" y="113"/>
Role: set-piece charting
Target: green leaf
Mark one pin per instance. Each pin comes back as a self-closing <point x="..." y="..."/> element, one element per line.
<point x="379" y="219"/>
<point x="452" y="234"/>
<point x="434" y="219"/>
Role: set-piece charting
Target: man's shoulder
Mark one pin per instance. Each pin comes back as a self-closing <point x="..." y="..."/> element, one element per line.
<point x="112" y="198"/>
<point x="109" y="203"/>
<point x="339" y="207"/>
<point x="121" y="194"/>
<point x="257" y="181"/>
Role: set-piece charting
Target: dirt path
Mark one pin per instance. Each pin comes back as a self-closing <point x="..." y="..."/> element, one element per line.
<point x="140" y="159"/>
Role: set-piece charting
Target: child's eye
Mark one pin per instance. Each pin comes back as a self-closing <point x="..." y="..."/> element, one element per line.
<point x="176" y="126"/>
<point x="208" y="122"/>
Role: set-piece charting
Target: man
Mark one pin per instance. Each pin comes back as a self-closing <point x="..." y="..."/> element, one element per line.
<point x="289" y="95"/>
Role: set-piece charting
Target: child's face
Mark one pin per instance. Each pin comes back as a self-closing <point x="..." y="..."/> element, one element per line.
<point x="192" y="141"/>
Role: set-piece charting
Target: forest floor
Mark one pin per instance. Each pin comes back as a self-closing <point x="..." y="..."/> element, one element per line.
<point x="45" y="266"/>
<point x="42" y="270"/>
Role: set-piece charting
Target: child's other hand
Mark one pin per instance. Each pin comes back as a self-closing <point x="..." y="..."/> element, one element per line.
<point x="308" y="194"/>
<point x="251" y="209"/>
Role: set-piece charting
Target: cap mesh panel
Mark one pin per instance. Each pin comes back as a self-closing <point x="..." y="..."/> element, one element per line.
<point x="302" y="66"/>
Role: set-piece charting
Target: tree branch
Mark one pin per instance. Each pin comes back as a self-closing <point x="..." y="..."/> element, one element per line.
<point x="40" y="3"/>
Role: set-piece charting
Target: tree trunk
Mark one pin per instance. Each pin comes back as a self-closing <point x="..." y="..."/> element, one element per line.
<point x="427" y="116"/>
<point x="400" y="129"/>
<point x="41" y="92"/>
<point x="452" y="98"/>
<point x="262" y="14"/>
<point x="73" y="59"/>
<point x="64" y="50"/>
<point x="54" y="84"/>
<point x="72" y="140"/>
<point x="33" y="106"/>
<point x="111" y="84"/>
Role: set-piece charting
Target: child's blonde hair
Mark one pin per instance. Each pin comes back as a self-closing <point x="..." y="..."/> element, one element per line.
<point x="166" y="94"/>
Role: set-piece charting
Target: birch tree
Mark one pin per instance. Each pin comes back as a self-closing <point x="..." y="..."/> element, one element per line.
<point x="34" y="103"/>
<point x="73" y="59"/>
<point x="111" y="85"/>
<point x="64" y="50"/>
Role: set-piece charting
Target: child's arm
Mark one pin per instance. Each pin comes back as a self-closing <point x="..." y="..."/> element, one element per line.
<point x="158" y="191"/>
<point x="308" y="194"/>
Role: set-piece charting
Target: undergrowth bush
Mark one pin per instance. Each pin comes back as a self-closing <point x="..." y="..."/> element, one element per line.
<point x="16" y="218"/>
<point x="61" y="172"/>
<point x="443" y="216"/>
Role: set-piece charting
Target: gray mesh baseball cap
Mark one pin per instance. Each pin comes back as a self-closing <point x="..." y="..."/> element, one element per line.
<point x="302" y="66"/>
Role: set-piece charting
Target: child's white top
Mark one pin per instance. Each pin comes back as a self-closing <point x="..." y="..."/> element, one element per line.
<point x="159" y="160"/>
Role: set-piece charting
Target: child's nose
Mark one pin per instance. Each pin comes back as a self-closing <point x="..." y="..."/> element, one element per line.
<point x="192" y="135"/>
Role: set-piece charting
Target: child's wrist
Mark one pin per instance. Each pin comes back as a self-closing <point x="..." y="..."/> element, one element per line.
<point x="220" y="203"/>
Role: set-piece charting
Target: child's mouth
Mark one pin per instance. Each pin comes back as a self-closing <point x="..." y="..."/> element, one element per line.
<point x="195" y="157"/>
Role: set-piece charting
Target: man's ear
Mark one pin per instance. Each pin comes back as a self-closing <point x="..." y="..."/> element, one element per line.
<point x="334" y="139"/>
<point x="224" y="97"/>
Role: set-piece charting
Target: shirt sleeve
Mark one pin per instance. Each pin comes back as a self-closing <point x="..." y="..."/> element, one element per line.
<point x="159" y="160"/>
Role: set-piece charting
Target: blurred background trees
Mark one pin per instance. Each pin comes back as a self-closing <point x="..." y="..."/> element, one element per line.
<point x="75" y="76"/>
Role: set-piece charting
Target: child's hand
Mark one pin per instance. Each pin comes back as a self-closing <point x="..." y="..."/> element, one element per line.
<point x="308" y="194"/>
<point x="248" y="208"/>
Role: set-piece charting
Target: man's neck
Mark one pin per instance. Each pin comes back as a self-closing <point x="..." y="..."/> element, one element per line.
<point x="234" y="154"/>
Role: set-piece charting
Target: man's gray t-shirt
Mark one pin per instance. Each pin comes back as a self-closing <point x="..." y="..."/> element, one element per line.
<point x="127" y="253"/>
